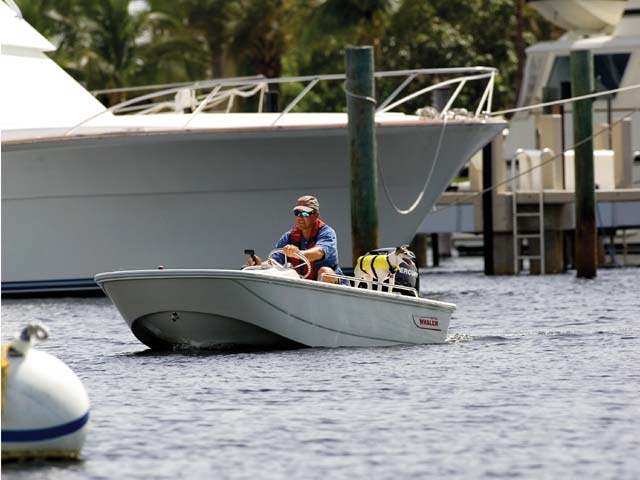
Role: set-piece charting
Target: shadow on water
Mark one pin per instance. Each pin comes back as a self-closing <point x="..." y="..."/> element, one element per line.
<point x="188" y="351"/>
<point x="31" y="464"/>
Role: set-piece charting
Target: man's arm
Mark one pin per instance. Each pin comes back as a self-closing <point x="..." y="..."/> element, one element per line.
<point x="313" y="253"/>
<point x="328" y="241"/>
<point x="325" y="247"/>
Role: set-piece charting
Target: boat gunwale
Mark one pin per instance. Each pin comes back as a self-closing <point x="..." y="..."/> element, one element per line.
<point x="134" y="131"/>
<point x="238" y="275"/>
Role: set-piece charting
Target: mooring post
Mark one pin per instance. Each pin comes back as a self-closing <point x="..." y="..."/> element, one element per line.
<point x="359" y="88"/>
<point x="419" y="247"/>
<point x="487" y="209"/>
<point x="585" y="194"/>
<point x="435" y="249"/>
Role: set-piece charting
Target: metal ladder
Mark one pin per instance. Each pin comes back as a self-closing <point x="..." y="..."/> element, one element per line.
<point x="516" y="215"/>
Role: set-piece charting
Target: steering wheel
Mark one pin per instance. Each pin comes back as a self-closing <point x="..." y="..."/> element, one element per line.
<point x="298" y="255"/>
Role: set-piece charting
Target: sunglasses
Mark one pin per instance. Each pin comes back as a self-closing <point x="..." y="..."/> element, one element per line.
<point x="299" y="213"/>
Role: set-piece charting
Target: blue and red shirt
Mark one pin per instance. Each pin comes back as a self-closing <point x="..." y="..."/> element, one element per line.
<point x="326" y="239"/>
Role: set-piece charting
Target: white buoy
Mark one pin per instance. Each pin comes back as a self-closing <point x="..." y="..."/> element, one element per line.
<point x="45" y="407"/>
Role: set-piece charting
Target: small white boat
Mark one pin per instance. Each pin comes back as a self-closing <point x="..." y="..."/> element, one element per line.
<point x="268" y="307"/>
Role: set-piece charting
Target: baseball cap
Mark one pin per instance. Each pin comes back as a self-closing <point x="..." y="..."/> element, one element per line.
<point x="307" y="203"/>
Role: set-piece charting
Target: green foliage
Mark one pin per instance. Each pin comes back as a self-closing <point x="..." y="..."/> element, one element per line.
<point x="106" y="44"/>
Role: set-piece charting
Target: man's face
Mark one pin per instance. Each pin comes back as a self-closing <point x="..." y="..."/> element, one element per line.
<point x="305" y="222"/>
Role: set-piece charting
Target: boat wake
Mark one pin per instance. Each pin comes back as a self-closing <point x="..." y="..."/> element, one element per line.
<point x="625" y="334"/>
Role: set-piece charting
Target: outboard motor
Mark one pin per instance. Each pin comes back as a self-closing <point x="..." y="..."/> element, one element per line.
<point x="407" y="276"/>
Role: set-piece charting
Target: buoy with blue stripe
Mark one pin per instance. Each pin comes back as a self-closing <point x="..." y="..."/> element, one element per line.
<point x="45" y="407"/>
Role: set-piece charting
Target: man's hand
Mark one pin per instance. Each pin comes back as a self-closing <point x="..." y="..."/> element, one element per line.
<point x="255" y="260"/>
<point x="290" y="250"/>
<point x="312" y="254"/>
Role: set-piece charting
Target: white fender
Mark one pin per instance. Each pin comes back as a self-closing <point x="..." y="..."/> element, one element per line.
<point x="45" y="407"/>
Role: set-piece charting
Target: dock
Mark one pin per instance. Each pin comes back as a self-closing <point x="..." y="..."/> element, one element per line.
<point x="534" y="193"/>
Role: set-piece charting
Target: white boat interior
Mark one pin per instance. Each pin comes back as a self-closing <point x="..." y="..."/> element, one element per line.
<point x="87" y="188"/>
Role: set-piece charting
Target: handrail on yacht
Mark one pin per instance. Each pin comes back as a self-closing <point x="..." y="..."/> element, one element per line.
<point x="164" y="86"/>
<point x="228" y="89"/>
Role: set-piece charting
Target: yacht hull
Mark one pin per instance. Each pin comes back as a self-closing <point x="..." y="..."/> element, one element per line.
<point x="73" y="206"/>
<point x="229" y="308"/>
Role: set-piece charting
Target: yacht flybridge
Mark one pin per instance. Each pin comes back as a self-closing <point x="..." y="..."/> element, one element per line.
<point x="88" y="189"/>
<point x="269" y="306"/>
<point x="610" y="29"/>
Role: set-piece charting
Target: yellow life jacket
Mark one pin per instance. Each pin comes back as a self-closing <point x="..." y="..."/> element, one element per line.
<point x="369" y="263"/>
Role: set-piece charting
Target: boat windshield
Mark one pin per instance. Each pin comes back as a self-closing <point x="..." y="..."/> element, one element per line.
<point x="608" y="68"/>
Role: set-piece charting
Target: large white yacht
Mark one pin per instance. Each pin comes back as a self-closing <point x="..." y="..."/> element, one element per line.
<point x="610" y="29"/>
<point x="86" y="190"/>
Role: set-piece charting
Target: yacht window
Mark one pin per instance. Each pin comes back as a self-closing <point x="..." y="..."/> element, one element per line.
<point x="608" y="71"/>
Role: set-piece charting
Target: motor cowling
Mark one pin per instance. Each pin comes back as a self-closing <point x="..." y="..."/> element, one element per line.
<point x="407" y="276"/>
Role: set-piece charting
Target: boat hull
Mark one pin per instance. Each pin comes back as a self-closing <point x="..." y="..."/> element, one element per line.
<point x="75" y="206"/>
<point x="227" y="308"/>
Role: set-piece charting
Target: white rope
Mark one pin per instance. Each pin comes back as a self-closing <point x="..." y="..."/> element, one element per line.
<point x="426" y="183"/>
<point x="380" y="169"/>
<point x="360" y="97"/>
<point x="566" y="100"/>
<point x="417" y="201"/>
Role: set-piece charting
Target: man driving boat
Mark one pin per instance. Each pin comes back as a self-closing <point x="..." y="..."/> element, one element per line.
<point x="312" y="238"/>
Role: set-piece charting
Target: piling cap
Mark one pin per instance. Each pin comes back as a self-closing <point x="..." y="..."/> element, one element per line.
<point x="307" y="203"/>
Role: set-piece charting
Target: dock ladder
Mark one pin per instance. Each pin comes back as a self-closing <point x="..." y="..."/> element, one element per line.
<point x="522" y="158"/>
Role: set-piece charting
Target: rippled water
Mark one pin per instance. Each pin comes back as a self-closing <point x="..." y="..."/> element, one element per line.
<point x="540" y="378"/>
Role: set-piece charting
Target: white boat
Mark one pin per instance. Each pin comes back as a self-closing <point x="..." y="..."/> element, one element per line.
<point x="267" y="307"/>
<point x="85" y="189"/>
<point x="610" y="29"/>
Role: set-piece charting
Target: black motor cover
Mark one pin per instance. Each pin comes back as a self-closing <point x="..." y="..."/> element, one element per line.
<point x="407" y="276"/>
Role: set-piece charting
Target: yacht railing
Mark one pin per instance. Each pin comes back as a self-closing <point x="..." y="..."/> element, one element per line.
<point x="227" y="90"/>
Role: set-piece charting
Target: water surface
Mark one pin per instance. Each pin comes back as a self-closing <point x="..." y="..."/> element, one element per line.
<point x="540" y="378"/>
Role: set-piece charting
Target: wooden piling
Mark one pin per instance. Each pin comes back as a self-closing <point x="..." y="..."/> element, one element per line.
<point x="435" y="249"/>
<point x="585" y="197"/>
<point x="419" y="247"/>
<point x="487" y="210"/>
<point x="362" y="149"/>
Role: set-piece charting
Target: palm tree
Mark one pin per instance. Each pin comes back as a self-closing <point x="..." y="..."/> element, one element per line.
<point x="361" y="22"/>
<point x="261" y="36"/>
<point x="105" y="45"/>
<point x="208" y="23"/>
<point x="122" y="48"/>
